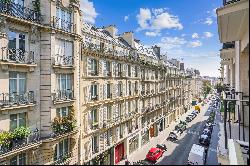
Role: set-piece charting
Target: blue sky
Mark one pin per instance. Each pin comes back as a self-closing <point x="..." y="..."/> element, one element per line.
<point x="186" y="30"/>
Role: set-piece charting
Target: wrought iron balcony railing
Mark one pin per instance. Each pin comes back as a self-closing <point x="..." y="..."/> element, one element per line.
<point x="11" y="99"/>
<point x="64" y="95"/>
<point x="63" y="60"/>
<point x="94" y="97"/>
<point x="17" y="56"/>
<point x="228" y="45"/>
<point x="17" y="10"/>
<point x="64" y="25"/>
<point x="227" y="2"/>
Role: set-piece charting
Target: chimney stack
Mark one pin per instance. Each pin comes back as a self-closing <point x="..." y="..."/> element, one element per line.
<point x="111" y="29"/>
<point x="129" y="38"/>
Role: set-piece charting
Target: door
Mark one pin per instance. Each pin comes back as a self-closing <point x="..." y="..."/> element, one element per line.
<point x="119" y="152"/>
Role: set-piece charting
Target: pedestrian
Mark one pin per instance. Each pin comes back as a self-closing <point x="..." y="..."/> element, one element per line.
<point x="127" y="162"/>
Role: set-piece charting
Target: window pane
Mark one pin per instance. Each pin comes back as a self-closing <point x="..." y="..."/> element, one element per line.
<point x="12" y="85"/>
<point x="22" y="159"/>
<point x="22" y="86"/>
<point x="22" y="42"/>
<point x="61" y="149"/>
<point x="22" y="119"/>
<point x="66" y="146"/>
<point x="13" y="161"/>
<point x="12" y="40"/>
<point x="13" y="122"/>
<point x="58" y="112"/>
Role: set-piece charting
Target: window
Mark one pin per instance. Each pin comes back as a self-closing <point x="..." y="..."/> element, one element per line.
<point x="119" y="110"/>
<point x="62" y="149"/>
<point x="95" y="144"/>
<point x="94" y="116"/>
<point x="17" y="82"/>
<point x="108" y="68"/>
<point x="119" y="66"/>
<point x="17" y="41"/>
<point x="129" y="70"/>
<point x="92" y="67"/>
<point x="120" y="89"/>
<point x="108" y="90"/>
<point x="63" y="19"/>
<point x="62" y="112"/>
<point x="109" y="112"/>
<point x="17" y="120"/>
<point x="94" y="92"/>
<point x="19" y="159"/>
<point x="64" y="52"/>
<point x="64" y="82"/>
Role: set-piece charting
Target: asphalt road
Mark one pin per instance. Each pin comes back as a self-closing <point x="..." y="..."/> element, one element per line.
<point x="177" y="153"/>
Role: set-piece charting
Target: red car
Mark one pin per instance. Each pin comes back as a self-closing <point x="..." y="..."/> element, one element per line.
<point x="154" y="154"/>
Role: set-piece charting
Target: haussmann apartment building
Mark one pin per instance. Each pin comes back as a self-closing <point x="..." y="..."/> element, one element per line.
<point x="72" y="93"/>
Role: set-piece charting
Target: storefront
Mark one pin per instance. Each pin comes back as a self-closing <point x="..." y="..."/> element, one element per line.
<point x="119" y="152"/>
<point x="103" y="159"/>
<point x="144" y="137"/>
<point x="133" y="144"/>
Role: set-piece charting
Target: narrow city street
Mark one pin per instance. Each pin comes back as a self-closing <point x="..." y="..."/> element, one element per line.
<point x="178" y="152"/>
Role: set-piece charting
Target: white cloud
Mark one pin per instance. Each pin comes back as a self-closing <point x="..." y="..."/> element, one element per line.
<point x="143" y="18"/>
<point x="194" y="44"/>
<point x="208" y="34"/>
<point x="157" y="20"/>
<point x="208" y="21"/>
<point x="195" y="35"/>
<point x="168" y="43"/>
<point x="152" y="34"/>
<point x="89" y="12"/>
<point x="126" y="18"/>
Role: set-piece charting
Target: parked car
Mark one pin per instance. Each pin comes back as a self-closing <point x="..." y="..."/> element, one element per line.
<point x="154" y="154"/>
<point x="142" y="162"/>
<point x="195" y="113"/>
<point x="162" y="146"/>
<point x="174" y="135"/>
<point x="204" y="140"/>
<point x="207" y="132"/>
<point x="188" y="119"/>
<point x="181" y="127"/>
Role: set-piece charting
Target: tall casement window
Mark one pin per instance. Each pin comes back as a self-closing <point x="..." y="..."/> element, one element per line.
<point x="17" y="82"/>
<point x="129" y="70"/>
<point x="92" y="67"/>
<point x="64" y="19"/>
<point x="17" y="120"/>
<point x="109" y="91"/>
<point x="109" y="112"/>
<point x="94" y="117"/>
<point x="62" y="149"/>
<point x="62" y="112"/>
<point x="20" y="159"/>
<point x="95" y="140"/>
<point x="119" y="66"/>
<point x="64" y="52"/>
<point x="120" y="89"/>
<point x="94" y="92"/>
<point x="17" y="42"/>
<point x="108" y="68"/>
<point x="64" y="82"/>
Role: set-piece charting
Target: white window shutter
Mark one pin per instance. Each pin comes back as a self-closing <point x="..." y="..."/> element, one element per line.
<point x="104" y="91"/>
<point x="101" y="117"/>
<point x="89" y="69"/>
<point x="89" y="121"/>
<point x="114" y="68"/>
<point x="105" y="113"/>
<point x="101" y="142"/>
<point x="100" y="67"/>
<point x="104" y="64"/>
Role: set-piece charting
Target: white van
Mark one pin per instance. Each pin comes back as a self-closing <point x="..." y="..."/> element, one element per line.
<point x="196" y="155"/>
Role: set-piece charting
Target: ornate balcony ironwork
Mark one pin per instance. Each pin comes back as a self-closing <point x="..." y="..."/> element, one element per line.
<point x="63" y="25"/>
<point x="17" y="10"/>
<point x="227" y="2"/>
<point x="11" y="99"/>
<point x="64" y="60"/>
<point x="17" y="56"/>
<point x="94" y="98"/>
<point x="64" y="95"/>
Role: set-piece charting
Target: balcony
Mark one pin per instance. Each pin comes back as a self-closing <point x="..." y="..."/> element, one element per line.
<point x="13" y="100"/>
<point x="94" y="97"/>
<point x="15" y="142"/>
<point x="63" y="25"/>
<point x="233" y="20"/>
<point x="109" y="95"/>
<point x="17" y="57"/>
<point x="228" y="50"/>
<point x="63" y="61"/>
<point x="63" y="95"/>
<point x="94" y="73"/>
<point x="63" y="159"/>
<point x="94" y="125"/>
<point x="19" y="11"/>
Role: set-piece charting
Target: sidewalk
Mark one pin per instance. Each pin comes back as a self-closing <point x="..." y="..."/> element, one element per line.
<point x="141" y="153"/>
